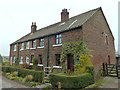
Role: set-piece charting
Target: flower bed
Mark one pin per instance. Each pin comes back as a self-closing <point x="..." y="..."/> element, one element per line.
<point x="37" y="75"/>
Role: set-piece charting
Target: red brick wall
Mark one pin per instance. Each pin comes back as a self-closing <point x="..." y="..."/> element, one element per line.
<point x="95" y="40"/>
<point x="74" y="35"/>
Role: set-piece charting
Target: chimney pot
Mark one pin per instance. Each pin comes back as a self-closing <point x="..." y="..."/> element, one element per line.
<point x="33" y="27"/>
<point x="64" y="15"/>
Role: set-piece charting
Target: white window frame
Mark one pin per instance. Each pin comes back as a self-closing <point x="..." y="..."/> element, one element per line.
<point x="33" y="43"/>
<point x="27" y="45"/>
<point x="27" y="59"/>
<point x="21" y="60"/>
<point x="14" y="59"/>
<point x="11" y="60"/>
<point x="15" y="47"/>
<point x="42" y="42"/>
<point x="22" y="46"/>
<point x="58" y="39"/>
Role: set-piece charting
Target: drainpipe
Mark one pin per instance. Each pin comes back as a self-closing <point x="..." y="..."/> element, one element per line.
<point x="18" y="51"/>
<point x="48" y="53"/>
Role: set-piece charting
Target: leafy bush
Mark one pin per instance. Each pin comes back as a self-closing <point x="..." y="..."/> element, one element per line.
<point x="76" y="81"/>
<point x="25" y="65"/>
<point x="15" y="74"/>
<point x="90" y="69"/>
<point x="16" y="61"/>
<point x="81" y="66"/>
<point x="37" y="75"/>
<point x="12" y="78"/>
<point x="35" y="61"/>
<point x="28" y="78"/>
<point x="7" y="74"/>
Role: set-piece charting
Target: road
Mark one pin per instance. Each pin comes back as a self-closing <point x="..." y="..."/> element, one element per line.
<point x="6" y="83"/>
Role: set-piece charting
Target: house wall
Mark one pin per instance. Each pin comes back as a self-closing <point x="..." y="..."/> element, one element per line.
<point x="70" y="36"/>
<point x="96" y="41"/>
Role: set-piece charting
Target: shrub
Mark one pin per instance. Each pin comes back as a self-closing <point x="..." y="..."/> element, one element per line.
<point x="7" y="74"/>
<point x="35" y="61"/>
<point x="15" y="74"/>
<point x="37" y="75"/>
<point x="29" y="78"/>
<point x="12" y="78"/>
<point x="90" y="69"/>
<point x="76" y="81"/>
<point x="25" y="65"/>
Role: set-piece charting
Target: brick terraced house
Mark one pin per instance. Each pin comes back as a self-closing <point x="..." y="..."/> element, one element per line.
<point x="45" y="44"/>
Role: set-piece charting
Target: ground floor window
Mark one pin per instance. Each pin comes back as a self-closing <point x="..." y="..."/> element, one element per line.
<point x="40" y="59"/>
<point x="14" y="59"/>
<point x="27" y="59"/>
<point x="21" y="59"/>
<point x="57" y="59"/>
<point x="11" y="60"/>
<point x="32" y="56"/>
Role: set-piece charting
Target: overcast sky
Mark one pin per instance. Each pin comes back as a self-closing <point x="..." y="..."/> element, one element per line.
<point x="16" y="16"/>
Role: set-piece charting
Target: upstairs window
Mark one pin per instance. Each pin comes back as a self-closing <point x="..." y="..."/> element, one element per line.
<point x="57" y="59"/>
<point x="22" y="46"/>
<point x="106" y="40"/>
<point x="33" y="44"/>
<point x="15" y="47"/>
<point x="28" y="45"/>
<point x="40" y="59"/>
<point x="58" y="39"/>
<point x="41" y="42"/>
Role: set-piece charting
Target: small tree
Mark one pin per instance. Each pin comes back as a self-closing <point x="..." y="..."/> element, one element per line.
<point x="16" y="61"/>
<point x="35" y="62"/>
<point x="84" y="61"/>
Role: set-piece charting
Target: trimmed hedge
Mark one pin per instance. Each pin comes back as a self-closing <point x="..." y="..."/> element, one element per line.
<point x="37" y="75"/>
<point x="77" y="81"/>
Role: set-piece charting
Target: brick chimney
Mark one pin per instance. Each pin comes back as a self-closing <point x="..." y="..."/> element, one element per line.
<point x="33" y="27"/>
<point x="64" y="15"/>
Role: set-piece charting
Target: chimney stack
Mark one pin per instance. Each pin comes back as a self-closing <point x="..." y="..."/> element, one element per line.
<point x="64" y="15"/>
<point x="33" y="27"/>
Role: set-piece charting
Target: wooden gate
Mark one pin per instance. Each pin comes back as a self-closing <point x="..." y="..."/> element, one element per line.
<point x="111" y="70"/>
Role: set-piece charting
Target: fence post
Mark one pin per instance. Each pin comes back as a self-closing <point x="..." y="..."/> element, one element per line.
<point x="117" y="70"/>
<point x="106" y="69"/>
<point x="103" y="69"/>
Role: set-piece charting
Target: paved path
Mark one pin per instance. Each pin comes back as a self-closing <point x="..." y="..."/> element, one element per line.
<point x="110" y="82"/>
<point x="6" y="83"/>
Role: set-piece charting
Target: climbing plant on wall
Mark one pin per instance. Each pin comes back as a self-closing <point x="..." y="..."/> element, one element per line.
<point x="76" y="49"/>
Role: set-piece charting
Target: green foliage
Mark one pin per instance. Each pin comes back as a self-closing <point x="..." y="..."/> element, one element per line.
<point x="7" y="74"/>
<point x="75" y="81"/>
<point x="12" y="78"/>
<point x="15" y="74"/>
<point x="37" y="75"/>
<point x="84" y="61"/>
<point x="90" y="69"/>
<point x="34" y="83"/>
<point x="75" y="48"/>
<point x="35" y="61"/>
<point x="16" y="61"/>
<point x="28" y="78"/>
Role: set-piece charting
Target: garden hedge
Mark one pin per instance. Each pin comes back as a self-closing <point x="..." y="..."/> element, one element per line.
<point x="90" y="69"/>
<point x="37" y="75"/>
<point x="76" y="81"/>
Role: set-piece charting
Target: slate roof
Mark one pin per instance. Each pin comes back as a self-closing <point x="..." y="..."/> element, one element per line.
<point x="72" y="22"/>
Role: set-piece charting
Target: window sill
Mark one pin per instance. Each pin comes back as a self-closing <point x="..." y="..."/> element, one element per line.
<point x="32" y="48"/>
<point x="20" y="62"/>
<point x="14" y="50"/>
<point x="27" y="48"/>
<point x="21" y="49"/>
<point x="41" y="47"/>
<point x="31" y="63"/>
<point x="57" y="66"/>
<point x="57" y="45"/>
<point x="40" y="65"/>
